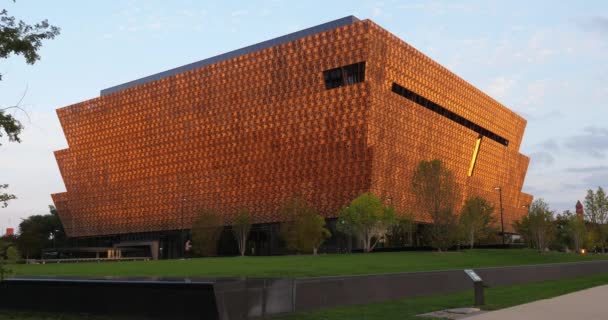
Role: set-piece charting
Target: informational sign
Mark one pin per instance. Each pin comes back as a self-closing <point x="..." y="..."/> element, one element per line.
<point x="472" y="275"/>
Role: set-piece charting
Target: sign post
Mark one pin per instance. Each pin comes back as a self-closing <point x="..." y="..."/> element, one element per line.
<point x="477" y="286"/>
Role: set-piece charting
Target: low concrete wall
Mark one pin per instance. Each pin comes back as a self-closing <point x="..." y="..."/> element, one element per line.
<point x="147" y="299"/>
<point x="239" y="299"/>
<point x="314" y="293"/>
<point x="249" y="298"/>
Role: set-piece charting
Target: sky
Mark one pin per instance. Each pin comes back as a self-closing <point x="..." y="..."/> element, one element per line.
<point x="545" y="60"/>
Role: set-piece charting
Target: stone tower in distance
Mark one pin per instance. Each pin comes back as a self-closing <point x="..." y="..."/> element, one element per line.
<point x="579" y="210"/>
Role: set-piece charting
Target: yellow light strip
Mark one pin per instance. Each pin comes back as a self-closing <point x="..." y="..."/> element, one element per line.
<point x="474" y="159"/>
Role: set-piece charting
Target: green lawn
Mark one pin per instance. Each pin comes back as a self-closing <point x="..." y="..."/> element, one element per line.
<point x="306" y="265"/>
<point x="496" y="298"/>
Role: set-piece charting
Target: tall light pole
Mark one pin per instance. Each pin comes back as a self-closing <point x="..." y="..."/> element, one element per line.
<point x="502" y="223"/>
<point x="181" y="230"/>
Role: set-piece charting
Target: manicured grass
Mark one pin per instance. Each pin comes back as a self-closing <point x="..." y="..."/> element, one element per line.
<point x="306" y="265"/>
<point x="496" y="298"/>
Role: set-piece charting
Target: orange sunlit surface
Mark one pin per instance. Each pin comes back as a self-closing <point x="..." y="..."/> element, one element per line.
<point x="254" y="130"/>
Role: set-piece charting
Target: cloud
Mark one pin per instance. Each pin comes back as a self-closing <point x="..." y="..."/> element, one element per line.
<point x="544" y="154"/>
<point x="239" y="13"/>
<point x="541" y="46"/>
<point x="536" y="93"/>
<point x="534" y="190"/>
<point x="376" y="12"/>
<point x="545" y="117"/>
<point x="587" y="169"/>
<point x="597" y="24"/>
<point x="500" y="87"/>
<point x="593" y="142"/>
<point x="549" y="144"/>
<point x="596" y="180"/>
<point x="571" y="186"/>
<point x="541" y="158"/>
<point x="562" y="205"/>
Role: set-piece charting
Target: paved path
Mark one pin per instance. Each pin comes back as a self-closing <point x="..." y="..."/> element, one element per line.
<point x="589" y="304"/>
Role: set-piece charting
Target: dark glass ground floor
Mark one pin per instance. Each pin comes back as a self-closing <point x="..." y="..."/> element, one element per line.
<point x="264" y="239"/>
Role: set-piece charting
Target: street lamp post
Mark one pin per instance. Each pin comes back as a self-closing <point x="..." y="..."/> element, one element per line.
<point x="181" y="231"/>
<point x="502" y="223"/>
<point x="527" y="206"/>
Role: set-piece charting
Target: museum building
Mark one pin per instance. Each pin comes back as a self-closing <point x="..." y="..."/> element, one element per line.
<point x="328" y="112"/>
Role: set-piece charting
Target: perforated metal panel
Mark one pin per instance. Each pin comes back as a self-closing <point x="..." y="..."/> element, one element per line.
<point x="253" y="130"/>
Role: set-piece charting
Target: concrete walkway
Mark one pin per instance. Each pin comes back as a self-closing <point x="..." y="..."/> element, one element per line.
<point x="589" y="304"/>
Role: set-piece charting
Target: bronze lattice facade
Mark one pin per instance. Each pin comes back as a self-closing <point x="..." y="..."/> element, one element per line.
<point x="328" y="113"/>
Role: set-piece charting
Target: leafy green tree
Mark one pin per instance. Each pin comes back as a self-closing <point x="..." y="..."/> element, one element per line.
<point x="563" y="237"/>
<point x="206" y="232"/>
<point x="538" y="227"/>
<point x="8" y="255"/>
<point x="522" y="227"/>
<point x="241" y="229"/>
<point x="304" y="229"/>
<point x="592" y="239"/>
<point x="476" y="219"/>
<point x="5" y="197"/>
<point x="443" y="232"/>
<point x="577" y="231"/>
<point x="310" y="232"/>
<point x="402" y="233"/>
<point x="436" y="195"/>
<point x="290" y="210"/>
<point x="38" y="232"/>
<point x="596" y="212"/>
<point x="20" y="38"/>
<point x="368" y="219"/>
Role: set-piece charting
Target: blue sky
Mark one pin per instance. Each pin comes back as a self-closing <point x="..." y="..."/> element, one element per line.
<point x="546" y="60"/>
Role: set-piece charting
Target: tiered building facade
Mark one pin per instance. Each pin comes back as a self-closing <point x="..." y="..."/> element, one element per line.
<point x="328" y="112"/>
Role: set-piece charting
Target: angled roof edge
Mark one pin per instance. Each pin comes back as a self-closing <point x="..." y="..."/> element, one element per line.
<point x="235" y="53"/>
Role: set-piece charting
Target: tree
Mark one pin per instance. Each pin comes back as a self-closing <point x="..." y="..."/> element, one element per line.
<point x="8" y="255"/>
<point x="402" y="232"/>
<point x="596" y="212"/>
<point x="368" y="219"/>
<point x="522" y="227"/>
<point x="38" y="232"/>
<point x="304" y="229"/>
<point x="310" y="232"/>
<point x="563" y="239"/>
<point x="20" y="38"/>
<point x="241" y="229"/>
<point x="206" y="232"/>
<point x="591" y="241"/>
<point x="538" y="226"/>
<point x="5" y="197"/>
<point x="436" y="194"/>
<point x="576" y="230"/>
<point x="443" y="232"/>
<point x="476" y="219"/>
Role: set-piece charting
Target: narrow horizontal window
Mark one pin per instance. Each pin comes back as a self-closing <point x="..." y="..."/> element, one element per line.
<point x="418" y="99"/>
<point x="344" y="76"/>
